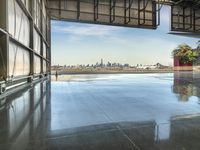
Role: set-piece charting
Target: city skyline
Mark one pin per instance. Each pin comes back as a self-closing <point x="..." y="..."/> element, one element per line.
<point x="103" y="62"/>
<point x="75" y="43"/>
<point x="108" y="67"/>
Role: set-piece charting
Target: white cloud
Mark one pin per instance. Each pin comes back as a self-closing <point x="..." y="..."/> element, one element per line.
<point x="86" y="30"/>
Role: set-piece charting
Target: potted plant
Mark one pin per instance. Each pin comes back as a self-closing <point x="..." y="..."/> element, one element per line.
<point x="184" y="55"/>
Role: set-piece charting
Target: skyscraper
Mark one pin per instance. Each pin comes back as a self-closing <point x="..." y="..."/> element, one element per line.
<point x="101" y="62"/>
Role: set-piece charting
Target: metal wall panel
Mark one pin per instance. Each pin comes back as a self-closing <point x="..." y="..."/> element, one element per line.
<point x="3" y="22"/>
<point x="19" y="61"/>
<point x="44" y="20"/>
<point x="185" y="19"/>
<point x="133" y="13"/>
<point x="44" y="50"/>
<point x="3" y="57"/>
<point x="44" y="66"/>
<point x="18" y="23"/>
<point x="37" y="13"/>
<point x="37" y="66"/>
<point x="197" y="20"/>
<point x="36" y="42"/>
<point x="24" y="41"/>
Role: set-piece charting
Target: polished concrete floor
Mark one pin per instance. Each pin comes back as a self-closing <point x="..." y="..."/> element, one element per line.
<point x="104" y="112"/>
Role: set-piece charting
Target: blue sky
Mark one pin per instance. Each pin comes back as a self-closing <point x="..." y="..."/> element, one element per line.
<point x="75" y="43"/>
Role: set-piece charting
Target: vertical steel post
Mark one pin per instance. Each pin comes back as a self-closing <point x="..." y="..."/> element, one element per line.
<point x="96" y="9"/>
<point x="31" y="43"/>
<point x="78" y="9"/>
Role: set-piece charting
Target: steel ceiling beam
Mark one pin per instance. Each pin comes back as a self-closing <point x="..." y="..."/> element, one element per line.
<point x="131" y="13"/>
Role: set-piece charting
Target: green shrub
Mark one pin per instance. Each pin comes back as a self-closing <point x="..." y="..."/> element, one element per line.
<point x="185" y="54"/>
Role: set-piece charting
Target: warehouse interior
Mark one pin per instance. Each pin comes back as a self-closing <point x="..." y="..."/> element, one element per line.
<point x="25" y="28"/>
<point x="25" y="71"/>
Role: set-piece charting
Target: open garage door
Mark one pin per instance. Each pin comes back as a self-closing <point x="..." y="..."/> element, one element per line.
<point x="132" y="13"/>
<point x="185" y="16"/>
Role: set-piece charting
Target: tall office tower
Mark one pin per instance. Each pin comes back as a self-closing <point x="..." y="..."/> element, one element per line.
<point x="101" y="62"/>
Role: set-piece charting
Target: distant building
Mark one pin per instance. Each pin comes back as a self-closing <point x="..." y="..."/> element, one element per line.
<point x="126" y="65"/>
<point x="156" y="66"/>
<point x="109" y="64"/>
<point x="101" y="62"/>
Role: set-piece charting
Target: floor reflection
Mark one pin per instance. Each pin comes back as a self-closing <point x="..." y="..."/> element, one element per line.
<point x="93" y="116"/>
<point x="186" y="85"/>
<point x="21" y="115"/>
